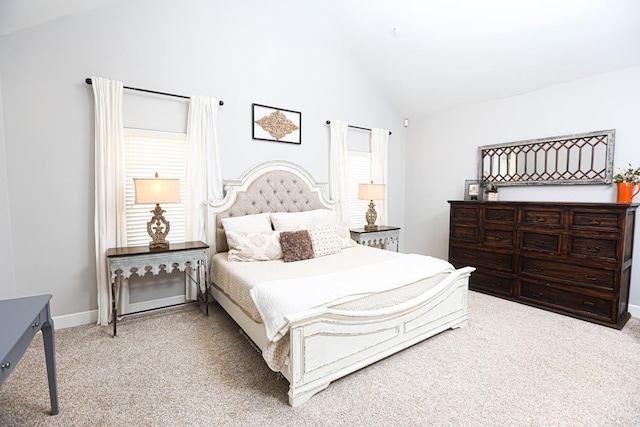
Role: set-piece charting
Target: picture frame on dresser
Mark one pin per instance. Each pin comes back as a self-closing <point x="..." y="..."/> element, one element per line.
<point x="473" y="189"/>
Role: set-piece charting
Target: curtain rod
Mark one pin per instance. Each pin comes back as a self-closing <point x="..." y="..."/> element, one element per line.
<point x="89" y="82"/>
<point x="355" y="127"/>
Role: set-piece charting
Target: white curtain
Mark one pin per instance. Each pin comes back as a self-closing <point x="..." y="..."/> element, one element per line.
<point x="110" y="226"/>
<point x="380" y="168"/>
<point x="204" y="182"/>
<point x="338" y="168"/>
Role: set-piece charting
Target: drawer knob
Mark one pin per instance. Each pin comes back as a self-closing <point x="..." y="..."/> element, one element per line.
<point x="537" y="294"/>
<point x="593" y="249"/>
<point x="5" y="365"/>
<point x="589" y="303"/>
<point x="35" y="325"/>
<point x="594" y="222"/>
<point x="494" y="285"/>
<point x="541" y="219"/>
<point x="538" y="268"/>
<point x="590" y="277"/>
<point x="540" y="244"/>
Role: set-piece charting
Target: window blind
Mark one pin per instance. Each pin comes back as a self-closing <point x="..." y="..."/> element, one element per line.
<point x="147" y="152"/>
<point x="359" y="171"/>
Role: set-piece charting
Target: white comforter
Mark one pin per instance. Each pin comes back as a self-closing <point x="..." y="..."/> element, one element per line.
<point x="278" y="298"/>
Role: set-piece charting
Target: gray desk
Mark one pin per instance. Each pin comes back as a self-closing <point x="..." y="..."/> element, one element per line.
<point x="20" y="321"/>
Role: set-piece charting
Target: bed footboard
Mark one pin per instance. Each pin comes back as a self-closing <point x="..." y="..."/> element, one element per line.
<point x="327" y="344"/>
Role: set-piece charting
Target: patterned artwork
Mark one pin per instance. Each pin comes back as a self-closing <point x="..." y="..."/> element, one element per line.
<point x="276" y="124"/>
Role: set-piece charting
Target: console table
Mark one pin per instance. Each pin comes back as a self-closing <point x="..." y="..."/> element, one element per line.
<point x="382" y="237"/>
<point x="123" y="262"/>
<point x="20" y="321"/>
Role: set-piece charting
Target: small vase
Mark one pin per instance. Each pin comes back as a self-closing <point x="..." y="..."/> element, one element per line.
<point x="625" y="192"/>
<point x="492" y="197"/>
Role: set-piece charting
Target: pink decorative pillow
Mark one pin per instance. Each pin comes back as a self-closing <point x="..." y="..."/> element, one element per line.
<point x="296" y="245"/>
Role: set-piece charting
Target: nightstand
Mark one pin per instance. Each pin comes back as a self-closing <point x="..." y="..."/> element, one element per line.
<point x="188" y="257"/>
<point x="382" y="237"/>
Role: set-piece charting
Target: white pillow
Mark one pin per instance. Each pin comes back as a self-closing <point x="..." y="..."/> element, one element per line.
<point x="287" y="221"/>
<point x="247" y="246"/>
<point x="344" y="235"/>
<point x="324" y="240"/>
<point x="248" y="223"/>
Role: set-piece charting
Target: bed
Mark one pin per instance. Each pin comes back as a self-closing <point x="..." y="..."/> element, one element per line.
<point x="326" y="330"/>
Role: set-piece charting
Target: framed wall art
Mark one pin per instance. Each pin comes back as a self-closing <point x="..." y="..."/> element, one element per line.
<point x="276" y="124"/>
<point x="473" y="189"/>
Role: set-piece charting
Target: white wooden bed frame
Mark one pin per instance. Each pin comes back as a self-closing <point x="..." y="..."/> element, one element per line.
<point x="327" y="344"/>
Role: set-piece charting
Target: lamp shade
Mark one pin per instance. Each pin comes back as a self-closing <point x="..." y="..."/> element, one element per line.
<point x="157" y="190"/>
<point x="371" y="191"/>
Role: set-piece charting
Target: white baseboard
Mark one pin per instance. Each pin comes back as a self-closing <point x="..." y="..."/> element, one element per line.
<point x="156" y="303"/>
<point x="76" y="319"/>
<point x="634" y="310"/>
<point x="87" y="317"/>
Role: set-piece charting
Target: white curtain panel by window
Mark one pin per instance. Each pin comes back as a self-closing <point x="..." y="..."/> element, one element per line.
<point x="338" y="168"/>
<point x="380" y="168"/>
<point x="204" y="182"/>
<point x="110" y="226"/>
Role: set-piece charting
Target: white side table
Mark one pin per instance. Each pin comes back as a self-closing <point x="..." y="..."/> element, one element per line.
<point x="186" y="257"/>
<point x="382" y="237"/>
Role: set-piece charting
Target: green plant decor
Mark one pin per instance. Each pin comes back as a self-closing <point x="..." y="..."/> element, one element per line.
<point x="627" y="175"/>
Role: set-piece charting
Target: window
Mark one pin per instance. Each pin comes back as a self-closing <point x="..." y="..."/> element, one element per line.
<point x="147" y="152"/>
<point x="358" y="171"/>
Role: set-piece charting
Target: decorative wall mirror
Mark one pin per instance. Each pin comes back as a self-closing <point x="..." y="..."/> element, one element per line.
<point x="584" y="158"/>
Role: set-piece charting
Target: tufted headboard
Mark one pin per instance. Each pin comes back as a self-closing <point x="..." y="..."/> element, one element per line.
<point x="274" y="186"/>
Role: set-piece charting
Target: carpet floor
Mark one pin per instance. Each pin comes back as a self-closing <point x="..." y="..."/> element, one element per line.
<point x="513" y="365"/>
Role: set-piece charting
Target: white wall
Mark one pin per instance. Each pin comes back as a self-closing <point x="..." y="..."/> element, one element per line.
<point x="442" y="150"/>
<point x="279" y="53"/>
<point x="8" y="286"/>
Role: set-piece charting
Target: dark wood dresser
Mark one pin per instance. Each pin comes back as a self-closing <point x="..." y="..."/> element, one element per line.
<point x="570" y="258"/>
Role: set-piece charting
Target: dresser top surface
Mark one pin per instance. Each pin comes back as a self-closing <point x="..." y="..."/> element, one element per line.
<point x="556" y="204"/>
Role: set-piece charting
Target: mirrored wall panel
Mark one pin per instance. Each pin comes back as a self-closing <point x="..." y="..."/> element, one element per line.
<point x="585" y="158"/>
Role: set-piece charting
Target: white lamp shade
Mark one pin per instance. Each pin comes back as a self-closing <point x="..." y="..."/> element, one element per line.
<point x="157" y="190"/>
<point x="371" y="191"/>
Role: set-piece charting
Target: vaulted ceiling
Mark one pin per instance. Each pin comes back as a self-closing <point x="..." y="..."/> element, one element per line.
<point x="431" y="55"/>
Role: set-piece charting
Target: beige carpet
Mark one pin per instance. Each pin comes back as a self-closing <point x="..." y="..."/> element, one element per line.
<point x="512" y="366"/>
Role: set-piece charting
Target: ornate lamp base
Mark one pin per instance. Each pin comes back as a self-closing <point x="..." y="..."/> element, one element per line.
<point x="159" y="245"/>
<point x="371" y="217"/>
<point x="158" y="228"/>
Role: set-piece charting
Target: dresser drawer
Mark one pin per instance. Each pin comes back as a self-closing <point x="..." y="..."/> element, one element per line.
<point x="537" y="217"/>
<point x="499" y="238"/>
<point x="594" y="220"/>
<point x="500" y="214"/>
<point x="474" y="257"/>
<point x="547" y="243"/>
<point x="465" y="213"/>
<point x="586" y="305"/>
<point x="593" y="248"/>
<point x="495" y="284"/>
<point x="587" y="276"/>
<point x="20" y="346"/>
<point x="464" y="233"/>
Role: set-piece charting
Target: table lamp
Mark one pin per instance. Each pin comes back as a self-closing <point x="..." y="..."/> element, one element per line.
<point x="157" y="191"/>
<point x="371" y="192"/>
